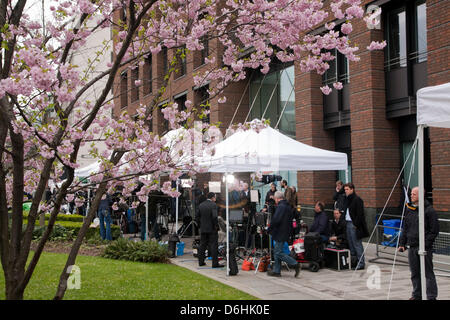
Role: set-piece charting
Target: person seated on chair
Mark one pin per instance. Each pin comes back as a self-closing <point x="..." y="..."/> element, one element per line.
<point x="338" y="230"/>
<point x="320" y="223"/>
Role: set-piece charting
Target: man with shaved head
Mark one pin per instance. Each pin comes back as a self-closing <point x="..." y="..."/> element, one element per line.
<point x="409" y="239"/>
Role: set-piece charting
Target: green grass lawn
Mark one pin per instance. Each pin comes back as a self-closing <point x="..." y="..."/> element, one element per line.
<point x="106" y="279"/>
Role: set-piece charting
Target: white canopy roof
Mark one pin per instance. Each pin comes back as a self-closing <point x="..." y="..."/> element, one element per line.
<point x="433" y="106"/>
<point x="270" y="150"/>
<point x="88" y="170"/>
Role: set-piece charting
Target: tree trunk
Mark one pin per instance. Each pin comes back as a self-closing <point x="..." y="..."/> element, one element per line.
<point x="42" y="219"/>
<point x="62" y="286"/>
<point x="12" y="279"/>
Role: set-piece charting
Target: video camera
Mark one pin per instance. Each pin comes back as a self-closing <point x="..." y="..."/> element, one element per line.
<point x="270" y="178"/>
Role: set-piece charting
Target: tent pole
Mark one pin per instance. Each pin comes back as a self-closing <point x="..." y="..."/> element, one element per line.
<point x="422" y="251"/>
<point x="146" y="220"/>
<point x="226" y="210"/>
<point x="88" y="200"/>
<point x="176" y="210"/>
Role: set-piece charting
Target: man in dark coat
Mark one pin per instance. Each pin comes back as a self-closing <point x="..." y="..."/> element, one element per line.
<point x="339" y="196"/>
<point x="153" y="199"/>
<point x="338" y="230"/>
<point x="320" y="223"/>
<point x="206" y="218"/>
<point x="280" y="228"/>
<point x="270" y="196"/>
<point x="410" y="239"/>
<point x="244" y="198"/>
<point x="356" y="224"/>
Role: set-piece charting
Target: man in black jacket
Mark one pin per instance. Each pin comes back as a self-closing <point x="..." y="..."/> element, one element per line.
<point x="339" y="230"/>
<point x="339" y="196"/>
<point x="356" y="224"/>
<point x="280" y="228"/>
<point x="270" y="197"/>
<point x="410" y="239"/>
<point x="206" y="218"/>
<point x="320" y="223"/>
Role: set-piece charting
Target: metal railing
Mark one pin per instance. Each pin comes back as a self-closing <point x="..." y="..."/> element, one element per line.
<point x="386" y="245"/>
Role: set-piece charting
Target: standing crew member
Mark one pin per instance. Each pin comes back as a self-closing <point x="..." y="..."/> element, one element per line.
<point x="206" y="218"/>
<point x="356" y="224"/>
<point x="410" y="239"/>
<point x="280" y="228"/>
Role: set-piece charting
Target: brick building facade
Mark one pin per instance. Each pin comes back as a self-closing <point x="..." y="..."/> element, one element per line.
<point x="372" y="119"/>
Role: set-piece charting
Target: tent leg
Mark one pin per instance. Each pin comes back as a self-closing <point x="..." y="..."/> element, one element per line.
<point x="422" y="251"/>
<point x="146" y="220"/>
<point x="226" y="209"/>
<point x="176" y="211"/>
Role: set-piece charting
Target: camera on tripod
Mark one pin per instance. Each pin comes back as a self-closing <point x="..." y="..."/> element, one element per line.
<point x="269" y="178"/>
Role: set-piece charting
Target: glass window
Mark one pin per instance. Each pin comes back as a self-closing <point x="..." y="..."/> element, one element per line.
<point x="164" y="60"/>
<point x="123" y="89"/>
<point x="181" y="105"/>
<point x="148" y="75"/>
<point x="202" y="100"/>
<point x="272" y="97"/>
<point x="135" y="88"/>
<point x="287" y="102"/>
<point x="331" y="75"/>
<point x="396" y="35"/>
<point x="421" y="16"/>
<point x="411" y="168"/>
<point x="205" y="51"/>
<point x="181" y="62"/>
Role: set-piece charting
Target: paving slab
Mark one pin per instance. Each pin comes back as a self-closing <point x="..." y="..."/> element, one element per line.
<point x="378" y="281"/>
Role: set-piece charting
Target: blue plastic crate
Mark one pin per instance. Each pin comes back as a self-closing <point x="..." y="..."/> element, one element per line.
<point x="391" y="223"/>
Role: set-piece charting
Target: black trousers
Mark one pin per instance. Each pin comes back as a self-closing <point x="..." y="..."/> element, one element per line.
<point x="210" y="241"/>
<point x="414" y="266"/>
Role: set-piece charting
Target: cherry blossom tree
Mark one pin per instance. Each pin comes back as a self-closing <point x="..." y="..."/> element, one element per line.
<point x="45" y="119"/>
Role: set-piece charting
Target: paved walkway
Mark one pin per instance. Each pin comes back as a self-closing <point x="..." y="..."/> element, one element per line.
<point x="373" y="283"/>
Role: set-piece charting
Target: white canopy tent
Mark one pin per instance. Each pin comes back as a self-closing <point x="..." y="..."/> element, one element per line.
<point x="433" y="110"/>
<point x="268" y="150"/>
<point x="87" y="170"/>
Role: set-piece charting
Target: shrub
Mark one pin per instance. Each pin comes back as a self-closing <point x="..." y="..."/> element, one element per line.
<point x="143" y="251"/>
<point x="58" y="233"/>
<point x="60" y="217"/>
<point x="71" y="231"/>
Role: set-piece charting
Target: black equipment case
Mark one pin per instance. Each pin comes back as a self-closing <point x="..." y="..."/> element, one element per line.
<point x="313" y="247"/>
<point x="338" y="259"/>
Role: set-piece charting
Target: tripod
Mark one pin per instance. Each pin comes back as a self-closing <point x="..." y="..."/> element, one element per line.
<point x="193" y="223"/>
<point x="186" y="204"/>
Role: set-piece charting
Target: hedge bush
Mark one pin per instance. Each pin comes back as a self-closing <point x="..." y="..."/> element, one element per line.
<point x="60" y="217"/>
<point x="68" y="230"/>
<point x="58" y="233"/>
<point x="143" y="251"/>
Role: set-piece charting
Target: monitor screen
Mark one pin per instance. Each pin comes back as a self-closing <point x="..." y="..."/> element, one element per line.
<point x="235" y="215"/>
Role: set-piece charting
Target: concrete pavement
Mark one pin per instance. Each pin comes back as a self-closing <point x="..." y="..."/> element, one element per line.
<point x="378" y="281"/>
